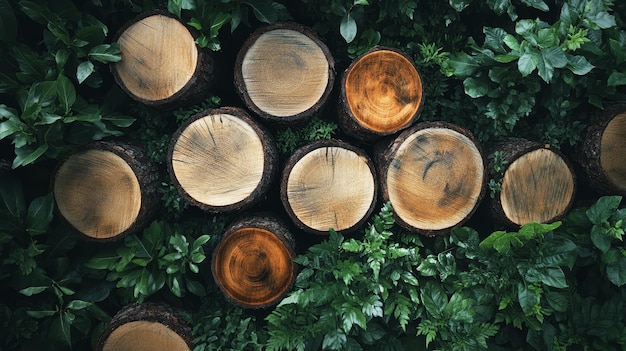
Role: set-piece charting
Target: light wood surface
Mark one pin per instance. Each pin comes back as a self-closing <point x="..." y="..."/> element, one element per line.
<point x="435" y="179"/>
<point x="612" y="149"/>
<point x="219" y="159"/>
<point x="98" y="193"/>
<point x="159" y="57"/>
<point x="144" y="336"/>
<point x="331" y="187"/>
<point x="536" y="187"/>
<point x="383" y="91"/>
<point x="285" y="72"/>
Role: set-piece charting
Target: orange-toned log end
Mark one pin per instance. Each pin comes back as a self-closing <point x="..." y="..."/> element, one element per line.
<point x="106" y="190"/>
<point x="253" y="263"/>
<point x="538" y="185"/>
<point x="381" y="93"/>
<point x="602" y="154"/>
<point x="161" y="65"/>
<point x="221" y="160"/>
<point x="329" y="185"/>
<point x="433" y="175"/>
<point x="284" y="73"/>
<point x="145" y="327"/>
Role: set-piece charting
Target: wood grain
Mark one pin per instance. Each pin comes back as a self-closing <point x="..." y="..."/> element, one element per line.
<point x="144" y="336"/>
<point x="612" y="147"/>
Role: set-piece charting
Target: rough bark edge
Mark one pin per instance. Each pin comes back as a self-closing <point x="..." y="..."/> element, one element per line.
<point x="588" y="155"/>
<point x="350" y="124"/>
<point x="301" y="152"/>
<point x="299" y="118"/>
<point x="273" y="224"/>
<point x="149" y="312"/>
<point x="512" y="149"/>
<point x="270" y="164"/>
<point x="147" y="173"/>
<point x="202" y="80"/>
<point x="385" y="151"/>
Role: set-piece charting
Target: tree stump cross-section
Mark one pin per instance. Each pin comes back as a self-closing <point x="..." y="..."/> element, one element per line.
<point x="284" y="73"/>
<point x="329" y="184"/>
<point x="221" y="160"/>
<point x="433" y="175"/>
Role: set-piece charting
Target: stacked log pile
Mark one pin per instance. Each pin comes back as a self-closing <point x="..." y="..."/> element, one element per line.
<point x="226" y="161"/>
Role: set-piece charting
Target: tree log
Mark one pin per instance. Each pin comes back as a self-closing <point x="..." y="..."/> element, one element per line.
<point x="221" y="160"/>
<point x="146" y="327"/>
<point x="381" y="93"/>
<point x="329" y="184"/>
<point x="253" y="263"/>
<point x="107" y="190"/>
<point x="433" y="175"/>
<point x="161" y="65"/>
<point x="538" y="183"/>
<point x="601" y="155"/>
<point x="284" y="73"/>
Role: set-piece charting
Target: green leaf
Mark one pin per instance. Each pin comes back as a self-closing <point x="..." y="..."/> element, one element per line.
<point x="616" y="270"/>
<point x="616" y="79"/>
<point x="463" y="65"/>
<point x="600" y="238"/>
<point x="78" y="305"/>
<point x="352" y="316"/>
<point x="538" y="4"/>
<point x="459" y="5"/>
<point x="33" y="290"/>
<point x="26" y="157"/>
<point x="263" y="10"/>
<point x="475" y="88"/>
<point x="84" y="70"/>
<point x="348" y="28"/>
<point x="8" y="23"/>
<point x="527" y="298"/>
<point x="175" y="7"/>
<point x="106" y="53"/>
<point x="40" y="212"/>
<point x="65" y="93"/>
<point x="201" y="240"/>
<point x="434" y="299"/>
<point x="527" y="63"/>
<point x="559" y="301"/>
<point x="579" y="65"/>
<point x="603" y="209"/>
<point x="121" y="121"/>
<point x="41" y="314"/>
<point x="553" y="276"/>
<point x="555" y="56"/>
<point x="195" y="287"/>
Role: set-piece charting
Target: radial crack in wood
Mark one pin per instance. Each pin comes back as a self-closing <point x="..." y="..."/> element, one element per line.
<point x="284" y="72"/>
<point x="221" y="160"/>
<point x="433" y="175"/>
<point x="329" y="185"/>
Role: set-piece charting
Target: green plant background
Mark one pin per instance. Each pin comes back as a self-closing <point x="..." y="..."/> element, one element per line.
<point x="539" y="69"/>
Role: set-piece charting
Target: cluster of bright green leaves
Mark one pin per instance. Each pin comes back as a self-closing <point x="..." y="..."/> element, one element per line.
<point x="144" y="265"/>
<point x="47" y="115"/>
<point x="288" y="139"/>
<point x="47" y="308"/>
<point x="541" y="65"/>
<point x="351" y="294"/>
<point x="208" y="17"/>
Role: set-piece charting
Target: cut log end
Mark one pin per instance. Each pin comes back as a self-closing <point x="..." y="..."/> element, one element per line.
<point x="106" y="190"/>
<point x="284" y="72"/>
<point x="433" y="176"/>
<point x="382" y="94"/>
<point x="253" y="263"/>
<point x="612" y="146"/>
<point x="537" y="187"/>
<point x="329" y="185"/>
<point x="222" y="160"/>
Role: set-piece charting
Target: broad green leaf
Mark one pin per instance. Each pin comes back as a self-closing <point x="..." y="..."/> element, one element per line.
<point x="506" y="58"/>
<point x="547" y="38"/>
<point x="78" y="305"/>
<point x="33" y="290"/>
<point x="352" y="316"/>
<point x="602" y="19"/>
<point x="84" y="70"/>
<point x="121" y="121"/>
<point x="527" y="298"/>
<point x="553" y="276"/>
<point x="201" y="240"/>
<point x="41" y="314"/>
<point x="511" y="42"/>
<point x="494" y="39"/>
<point x="463" y="65"/>
<point x="579" y="65"/>
<point x="555" y="56"/>
<point x="538" y="4"/>
<point x="60" y="328"/>
<point x="559" y="301"/>
<point x="8" y="23"/>
<point x="106" y="53"/>
<point x="66" y="93"/>
<point x="527" y="63"/>
<point x="600" y="238"/>
<point x="26" y="157"/>
<point x="603" y="209"/>
<point x="475" y="88"/>
<point x="348" y="28"/>
<point x="434" y="298"/>
<point x="616" y="79"/>
<point x="195" y="287"/>
<point x="459" y="5"/>
<point x="40" y="212"/>
<point x="10" y="127"/>
<point x="175" y="7"/>
<point x="12" y="204"/>
<point x="616" y="271"/>
<point x="361" y="2"/>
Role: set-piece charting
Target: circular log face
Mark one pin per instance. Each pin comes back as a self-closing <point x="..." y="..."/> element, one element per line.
<point x="144" y="336"/>
<point x="285" y="72"/>
<point x="98" y="193"/>
<point x="331" y="187"/>
<point x="384" y="91"/>
<point x="219" y="160"/>
<point x="253" y="266"/>
<point x="536" y="187"/>
<point x="612" y="146"/>
<point x="159" y="57"/>
<point x="435" y="179"/>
